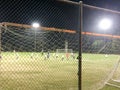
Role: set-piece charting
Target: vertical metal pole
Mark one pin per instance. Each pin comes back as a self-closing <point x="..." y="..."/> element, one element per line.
<point x="0" y="40"/>
<point x="35" y="41"/>
<point x="80" y="27"/>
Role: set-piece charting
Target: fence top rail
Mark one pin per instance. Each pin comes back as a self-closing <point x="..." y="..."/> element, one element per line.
<point x="91" y="6"/>
<point x="103" y="9"/>
<point x="40" y="28"/>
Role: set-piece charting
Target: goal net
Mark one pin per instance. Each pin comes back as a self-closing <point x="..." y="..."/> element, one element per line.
<point x="24" y="38"/>
<point x="101" y="54"/>
<point x="25" y="49"/>
<point x="30" y="37"/>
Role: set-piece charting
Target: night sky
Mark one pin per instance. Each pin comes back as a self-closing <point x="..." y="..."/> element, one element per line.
<point x="51" y="13"/>
<point x="110" y="4"/>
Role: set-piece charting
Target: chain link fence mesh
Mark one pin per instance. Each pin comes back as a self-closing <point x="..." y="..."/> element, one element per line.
<point x="43" y="58"/>
<point x="100" y="49"/>
<point x="46" y="58"/>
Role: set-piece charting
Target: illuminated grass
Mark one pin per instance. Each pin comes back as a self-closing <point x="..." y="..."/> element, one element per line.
<point x="96" y="69"/>
<point x="37" y="73"/>
<point x="26" y="73"/>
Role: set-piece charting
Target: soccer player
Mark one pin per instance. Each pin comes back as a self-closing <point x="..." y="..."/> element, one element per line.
<point x="31" y="56"/>
<point x="48" y="54"/>
<point x="42" y="52"/>
<point x="72" y="55"/>
<point x="17" y="56"/>
<point x="0" y="56"/>
<point x="67" y="55"/>
<point x="45" y="57"/>
<point x="62" y="57"/>
<point x="56" y="55"/>
<point x="77" y="57"/>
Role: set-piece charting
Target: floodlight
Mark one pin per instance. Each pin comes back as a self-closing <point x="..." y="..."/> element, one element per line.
<point x="36" y="25"/>
<point x="105" y="24"/>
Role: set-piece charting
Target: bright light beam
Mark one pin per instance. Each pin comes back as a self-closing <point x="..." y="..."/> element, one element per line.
<point x="105" y="24"/>
<point x="36" y="25"/>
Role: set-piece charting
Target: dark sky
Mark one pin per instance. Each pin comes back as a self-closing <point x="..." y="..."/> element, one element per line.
<point x="110" y="4"/>
<point x="51" y="13"/>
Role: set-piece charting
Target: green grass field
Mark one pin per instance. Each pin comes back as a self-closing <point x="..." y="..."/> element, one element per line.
<point x="18" y="71"/>
<point x="25" y="73"/>
<point x="96" y="69"/>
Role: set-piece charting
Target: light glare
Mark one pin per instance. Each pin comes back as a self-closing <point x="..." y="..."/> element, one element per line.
<point x="36" y="25"/>
<point x="105" y="24"/>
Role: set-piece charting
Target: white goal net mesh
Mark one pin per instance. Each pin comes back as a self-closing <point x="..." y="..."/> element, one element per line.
<point x="64" y="51"/>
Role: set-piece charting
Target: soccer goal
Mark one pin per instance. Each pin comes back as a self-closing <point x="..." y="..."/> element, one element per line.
<point x="101" y="51"/>
<point x="114" y="77"/>
<point x="33" y="42"/>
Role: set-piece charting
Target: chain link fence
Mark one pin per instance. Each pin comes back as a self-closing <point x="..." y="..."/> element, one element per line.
<point x="100" y="49"/>
<point x="42" y="56"/>
<point x="41" y="42"/>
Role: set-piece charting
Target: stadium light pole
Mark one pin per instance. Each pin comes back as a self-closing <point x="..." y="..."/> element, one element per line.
<point x="35" y="26"/>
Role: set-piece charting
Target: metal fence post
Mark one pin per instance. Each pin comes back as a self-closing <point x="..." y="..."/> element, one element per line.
<point x="80" y="27"/>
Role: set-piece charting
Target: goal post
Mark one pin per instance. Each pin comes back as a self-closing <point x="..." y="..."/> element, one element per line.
<point x="64" y="51"/>
<point x="114" y="77"/>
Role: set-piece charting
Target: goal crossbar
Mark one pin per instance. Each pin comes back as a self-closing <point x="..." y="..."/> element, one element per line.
<point x="58" y="30"/>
